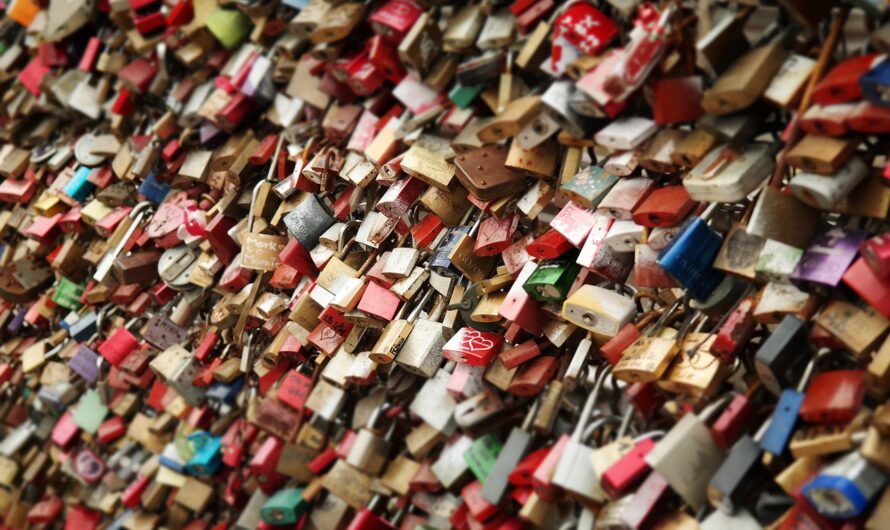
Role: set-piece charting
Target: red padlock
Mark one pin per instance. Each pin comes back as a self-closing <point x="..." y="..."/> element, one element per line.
<point x="520" y="308"/>
<point x="472" y="346"/>
<point x="323" y="461"/>
<point x="549" y="245"/>
<point x="65" y="431"/>
<point x="395" y="18"/>
<point x="17" y="191"/>
<point x="735" y="332"/>
<point x="646" y="398"/>
<point x="206" y="346"/>
<point x="385" y="57"/>
<point x="331" y="331"/>
<point x="495" y="234"/>
<point x="677" y="100"/>
<point x="833" y="397"/>
<point x="649" y="499"/>
<point x="733" y="421"/>
<point x="45" y="511"/>
<point x="111" y="429"/>
<point x="666" y="206"/>
<point x="614" y="347"/>
<point x="118" y="346"/>
<point x="542" y="475"/>
<point x="80" y="518"/>
<point x="90" y="54"/>
<point x="426" y="230"/>
<point x="399" y="197"/>
<point x="519" y="354"/>
<point x="264" y="463"/>
<point x="366" y="519"/>
<point x="868" y="118"/>
<point x="224" y="247"/>
<point x="533" y="376"/>
<point x="869" y="286"/>
<point x="294" y="389"/>
<point x="295" y="255"/>
<point x="237" y="438"/>
<point x="625" y="474"/>
<point x="234" y="277"/>
<point x="842" y="82"/>
<point x="379" y="301"/>
<point x="876" y="252"/>
<point x="149" y="23"/>
<point x="479" y="508"/>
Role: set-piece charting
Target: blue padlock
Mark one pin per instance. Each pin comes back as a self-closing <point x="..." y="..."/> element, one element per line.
<point x="84" y="327"/>
<point x="845" y="488"/>
<point x="781" y="426"/>
<point x="208" y="454"/>
<point x="79" y="188"/>
<point x="440" y="263"/>
<point x="153" y="189"/>
<point x="875" y="84"/>
<point x="225" y="392"/>
<point x="689" y="256"/>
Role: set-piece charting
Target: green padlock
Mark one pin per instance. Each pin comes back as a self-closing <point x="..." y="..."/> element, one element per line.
<point x="552" y="280"/>
<point x="230" y="27"/>
<point x="463" y="96"/>
<point x="67" y="294"/>
<point x="481" y="456"/>
<point x="285" y="507"/>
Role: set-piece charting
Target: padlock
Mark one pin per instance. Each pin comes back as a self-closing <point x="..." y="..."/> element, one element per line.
<point x="648" y="357"/>
<point x="589" y="186"/>
<point x="573" y="472"/>
<point x="472" y="346"/>
<point x="687" y="456"/>
<point x="745" y="80"/>
<point x="620" y="202"/>
<point x="727" y="174"/>
<point x="828" y="257"/>
<point x="552" y="279"/>
<point x="599" y="310"/>
<point x="689" y="256"/>
<point x="843" y="489"/>
<point x="665" y="206"/>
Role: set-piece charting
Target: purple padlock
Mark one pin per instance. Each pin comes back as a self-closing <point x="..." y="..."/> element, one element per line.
<point x="828" y="257"/>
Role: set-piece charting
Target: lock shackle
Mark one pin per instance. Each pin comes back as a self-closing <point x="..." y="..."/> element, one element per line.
<point x="713" y="408"/>
<point x="625" y="422"/>
<point x="376" y="505"/>
<point x="663" y="318"/>
<point x="420" y="305"/>
<point x="652" y="435"/>
<point x="441" y="306"/>
<point x="592" y="398"/>
<point x="475" y="229"/>
<point x="598" y="423"/>
<point x="466" y="217"/>
<point x="761" y="431"/>
<point x="56" y="349"/>
<point x="376" y="414"/>
<point x="531" y="415"/>
<point x="822" y="353"/>
<point x="137" y="214"/>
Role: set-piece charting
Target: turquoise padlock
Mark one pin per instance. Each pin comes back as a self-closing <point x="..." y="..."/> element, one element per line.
<point x="207" y="456"/>
<point x="285" y="507"/>
<point x="79" y="188"/>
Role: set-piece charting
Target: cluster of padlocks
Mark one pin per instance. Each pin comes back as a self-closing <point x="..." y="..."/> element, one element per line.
<point x="422" y="265"/>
